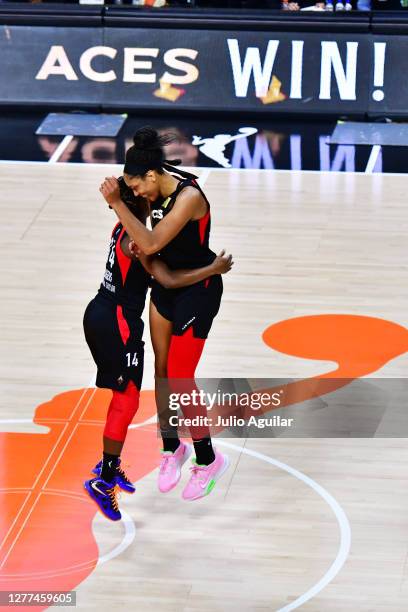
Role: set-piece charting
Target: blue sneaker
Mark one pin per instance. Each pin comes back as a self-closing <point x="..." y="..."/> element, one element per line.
<point x="104" y="494"/>
<point x="120" y="479"/>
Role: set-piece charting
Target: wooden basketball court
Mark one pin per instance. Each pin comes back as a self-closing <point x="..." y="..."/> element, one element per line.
<point x="314" y="523"/>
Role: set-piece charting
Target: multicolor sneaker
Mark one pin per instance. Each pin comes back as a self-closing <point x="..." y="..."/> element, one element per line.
<point x="204" y="477"/>
<point x="170" y="467"/>
<point x="120" y="479"/>
<point x="104" y="494"/>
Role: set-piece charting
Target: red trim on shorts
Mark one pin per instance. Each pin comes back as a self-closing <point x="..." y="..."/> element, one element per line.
<point x="123" y="325"/>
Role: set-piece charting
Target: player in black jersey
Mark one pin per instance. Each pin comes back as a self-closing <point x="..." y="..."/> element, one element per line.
<point x="113" y="330"/>
<point x="180" y="319"/>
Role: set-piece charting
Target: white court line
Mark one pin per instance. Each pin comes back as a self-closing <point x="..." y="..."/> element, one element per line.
<point x="60" y="149"/>
<point x="130" y="533"/>
<point x="152" y="419"/>
<point x="17" y="421"/>
<point x="92" y="382"/>
<point x="342" y="520"/>
<point x="375" y="151"/>
<point x="195" y="168"/>
<point x="202" y="179"/>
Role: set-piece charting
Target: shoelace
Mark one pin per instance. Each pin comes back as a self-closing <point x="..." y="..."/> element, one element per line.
<point x="195" y="474"/>
<point x="122" y="473"/>
<point x="165" y="463"/>
<point x="113" y="495"/>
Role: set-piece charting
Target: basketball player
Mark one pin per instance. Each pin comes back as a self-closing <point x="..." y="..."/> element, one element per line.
<point x="180" y="319"/>
<point x="113" y="330"/>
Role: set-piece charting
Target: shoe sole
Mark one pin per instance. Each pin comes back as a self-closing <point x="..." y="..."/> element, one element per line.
<point x="215" y="480"/>
<point x="87" y="488"/>
<point x="186" y="457"/>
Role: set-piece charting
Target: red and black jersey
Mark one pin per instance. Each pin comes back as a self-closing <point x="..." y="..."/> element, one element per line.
<point x="189" y="249"/>
<point x="125" y="282"/>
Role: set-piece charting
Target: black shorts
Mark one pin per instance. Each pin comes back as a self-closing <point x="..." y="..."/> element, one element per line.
<point x="118" y="359"/>
<point x="194" y="306"/>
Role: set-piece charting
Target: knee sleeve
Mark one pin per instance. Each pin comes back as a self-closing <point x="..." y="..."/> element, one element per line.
<point x="122" y="409"/>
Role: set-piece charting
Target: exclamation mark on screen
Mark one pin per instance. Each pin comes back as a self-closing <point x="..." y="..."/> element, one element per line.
<point x="379" y="63"/>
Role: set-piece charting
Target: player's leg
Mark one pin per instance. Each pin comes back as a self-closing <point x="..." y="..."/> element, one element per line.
<point x="175" y="452"/>
<point x="113" y="372"/>
<point x="109" y="474"/>
<point x="160" y="333"/>
<point x="197" y="307"/>
<point x="122" y="409"/>
<point x="184" y="354"/>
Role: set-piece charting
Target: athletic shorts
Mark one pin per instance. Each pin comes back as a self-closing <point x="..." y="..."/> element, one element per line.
<point x="194" y="306"/>
<point x="114" y="336"/>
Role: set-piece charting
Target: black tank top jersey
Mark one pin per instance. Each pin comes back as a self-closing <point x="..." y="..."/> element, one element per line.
<point x="189" y="249"/>
<point x="125" y="281"/>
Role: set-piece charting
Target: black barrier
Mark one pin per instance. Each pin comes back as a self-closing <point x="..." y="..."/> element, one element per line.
<point x="162" y="60"/>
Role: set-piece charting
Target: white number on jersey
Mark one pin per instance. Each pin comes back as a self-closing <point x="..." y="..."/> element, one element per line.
<point x="134" y="361"/>
<point x="111" y="258"/>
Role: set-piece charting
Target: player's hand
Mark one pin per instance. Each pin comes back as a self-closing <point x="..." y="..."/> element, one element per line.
<point x="134" y="249"/>
<point x="222" y="263"/>
<point x="110" y="190"/>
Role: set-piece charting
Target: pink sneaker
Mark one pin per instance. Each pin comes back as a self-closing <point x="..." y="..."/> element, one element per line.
<point x="204" y="477"/>
<point x="170" y="466"/>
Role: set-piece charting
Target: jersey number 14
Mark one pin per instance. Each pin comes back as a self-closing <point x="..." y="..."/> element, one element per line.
<point x="132" y="361"/>
<point x="111" y="258"/>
